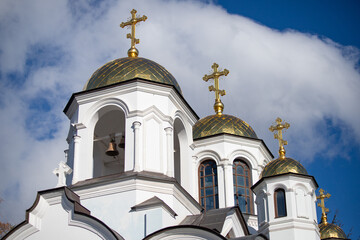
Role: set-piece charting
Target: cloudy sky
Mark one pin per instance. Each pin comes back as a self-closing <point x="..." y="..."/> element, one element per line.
<point x="298" y="61"/>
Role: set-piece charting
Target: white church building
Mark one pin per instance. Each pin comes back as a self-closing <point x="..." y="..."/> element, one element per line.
<point x="142" y="165"/>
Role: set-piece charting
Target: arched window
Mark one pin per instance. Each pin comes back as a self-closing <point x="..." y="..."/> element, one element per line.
<point x="242" y="182"/>
<point x="280" y="203"/>
<point x="208" y="185"/>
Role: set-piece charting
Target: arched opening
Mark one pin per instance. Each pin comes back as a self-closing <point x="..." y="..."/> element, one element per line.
<point x="280" y="203"/>
<point x="177" y="163"/>
<point x="208" y="185"/>
<point x="109" y="127"/>
<point x="243" y="196"/>
<point x="180" y="144"/>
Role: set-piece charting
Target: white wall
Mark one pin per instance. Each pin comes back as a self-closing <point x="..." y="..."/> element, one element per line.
<point x="301" y="219"/>
<point x="112" y="203"/>
<point x="154" y="107"/>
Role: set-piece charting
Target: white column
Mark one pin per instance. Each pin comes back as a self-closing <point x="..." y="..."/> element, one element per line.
<point x="221" y="186"/>
<point x="170" y="151"/>
<point x="136" y="126"/>
<point x="195" y="180"/>
<point x="229" y="184"/>
<point x="76" y="170"/>
<point x="271" y="205"/>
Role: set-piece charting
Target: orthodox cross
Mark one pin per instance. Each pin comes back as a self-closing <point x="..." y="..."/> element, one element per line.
<point x="133" y="52"/>
<point x="279" y="128"/>
<point x="61" y="173"/>
<point x="218" y="106"/>
<point x="321" y="204"/>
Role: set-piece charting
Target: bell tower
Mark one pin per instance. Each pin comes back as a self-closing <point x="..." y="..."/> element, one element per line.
<point x="130" y="117"/>
<point x="124" y="128"/>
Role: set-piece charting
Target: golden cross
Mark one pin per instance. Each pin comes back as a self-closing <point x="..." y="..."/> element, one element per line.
<point x="133" y="52"/>
<point x="321" y="204"/>
<point x="218" y="106"/>
<point x="279" y="127"/>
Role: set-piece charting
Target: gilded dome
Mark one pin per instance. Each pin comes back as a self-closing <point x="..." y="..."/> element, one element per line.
<point x="330" y="230"/>
<point x="123" y="69"/>
<point x="217" y="124"/>
<point x="280" y="166"/>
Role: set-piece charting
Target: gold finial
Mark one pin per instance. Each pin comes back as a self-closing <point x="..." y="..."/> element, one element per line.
<point x="321" y="204"/>
<point x="279" y="127"/>
<point x="218" y="106"/>
<point x="133" y="52"/>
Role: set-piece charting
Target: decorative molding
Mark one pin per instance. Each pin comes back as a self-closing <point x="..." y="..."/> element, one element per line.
<point x="151" y="110"/>
<point x="78" y="126"/>
<point x="111" y="103"/>
<point x="246" y="155"/>
<point x="226" y="138"/>
<point x="208" y="154"/>
<point x="138" y="183"/>
<point x="290" y="190"/>
<point x="69" y="202"/>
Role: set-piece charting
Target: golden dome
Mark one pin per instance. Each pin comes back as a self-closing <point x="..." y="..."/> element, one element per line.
<point x="330" y="230"/>
<point x="280" y="166"/>
<point x="123" y="69"/>
<point x="217" y="124"/>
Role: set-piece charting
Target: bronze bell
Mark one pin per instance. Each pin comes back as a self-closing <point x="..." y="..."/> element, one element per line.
<point x="122" y="142"/>
<point x="112" y="151"/>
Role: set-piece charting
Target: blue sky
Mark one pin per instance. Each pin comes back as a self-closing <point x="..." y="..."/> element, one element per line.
<point x="298" y="60"/>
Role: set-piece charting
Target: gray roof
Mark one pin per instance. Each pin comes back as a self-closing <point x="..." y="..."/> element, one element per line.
<point x="124" y="175"/>
<point x="214" y="219"/>
<point x="153" y="202"/>
<point x="251" y="237"/>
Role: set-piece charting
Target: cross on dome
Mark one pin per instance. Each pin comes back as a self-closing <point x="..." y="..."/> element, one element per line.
<point x="218" y="106"/>
<point x="279" y="127"/>
<point x="133" y="52"/>
<point x="321" y="204"/>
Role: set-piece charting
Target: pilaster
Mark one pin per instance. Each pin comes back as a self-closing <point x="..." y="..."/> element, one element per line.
<point x="136" y="126"/>
<point x="169" y="151"/>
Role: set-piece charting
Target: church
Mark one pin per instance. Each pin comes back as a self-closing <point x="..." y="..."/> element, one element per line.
<point x="141" y="164"/>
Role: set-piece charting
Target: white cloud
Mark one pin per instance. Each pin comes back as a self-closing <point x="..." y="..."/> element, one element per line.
<point x="307" y="80"/>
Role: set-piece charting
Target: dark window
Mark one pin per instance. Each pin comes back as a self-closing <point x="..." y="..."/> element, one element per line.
<point x="280" y="203"/>
<point x="242" y="183"/>
<point x="208" y="185"/>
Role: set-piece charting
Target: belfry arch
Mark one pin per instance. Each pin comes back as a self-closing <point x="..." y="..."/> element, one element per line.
<point x="110" y="126"/>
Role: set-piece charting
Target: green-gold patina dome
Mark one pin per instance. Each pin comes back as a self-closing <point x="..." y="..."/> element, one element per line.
<point x="330" y="230"/>
<point x="124" y="69"/>
<point x="280" y="166"/>
<point x="218" y="124"/>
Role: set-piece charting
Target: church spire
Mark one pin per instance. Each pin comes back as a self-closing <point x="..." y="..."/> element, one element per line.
<point x="279" y="128"/>
<point x="133" y="52"/>
<point x="321" y="204"/>
<point x="218" y="106"/>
